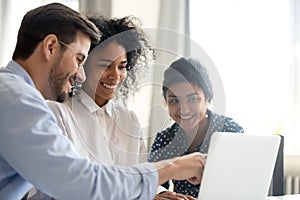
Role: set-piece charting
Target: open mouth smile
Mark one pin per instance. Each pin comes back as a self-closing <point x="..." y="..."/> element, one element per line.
<point x="110" y="86"/>
<point x="186" y="117"/>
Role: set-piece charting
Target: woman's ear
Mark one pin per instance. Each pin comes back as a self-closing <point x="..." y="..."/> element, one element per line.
<point x="50" y="44"/>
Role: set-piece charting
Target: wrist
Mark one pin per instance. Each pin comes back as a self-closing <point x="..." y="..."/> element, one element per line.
<point x="166" y="169"/>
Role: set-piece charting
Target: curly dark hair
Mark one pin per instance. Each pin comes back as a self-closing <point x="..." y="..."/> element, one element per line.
<point x="127" y="32"/>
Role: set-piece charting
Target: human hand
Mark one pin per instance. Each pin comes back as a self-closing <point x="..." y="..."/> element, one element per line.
<point x="189" y="167"/>
<point x="191" y="163"/>
<point x="167" y="195"/>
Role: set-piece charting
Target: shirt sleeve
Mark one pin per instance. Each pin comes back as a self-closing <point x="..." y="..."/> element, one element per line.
<point x="161" y="189"/>
<point x="33" y="147"/>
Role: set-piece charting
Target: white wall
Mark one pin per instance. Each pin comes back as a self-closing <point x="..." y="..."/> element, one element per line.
<point x="251" y="44"/>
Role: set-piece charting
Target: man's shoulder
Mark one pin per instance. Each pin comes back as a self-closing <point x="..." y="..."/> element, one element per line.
<point x="12" y="87"/>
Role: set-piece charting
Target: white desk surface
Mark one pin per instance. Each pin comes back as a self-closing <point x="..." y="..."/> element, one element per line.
<point x="285" y="197"/>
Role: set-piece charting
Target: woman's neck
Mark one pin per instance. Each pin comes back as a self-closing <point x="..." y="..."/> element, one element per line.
<point x="99" y="101"/>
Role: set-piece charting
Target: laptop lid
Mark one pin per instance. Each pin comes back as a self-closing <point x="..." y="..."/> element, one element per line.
<point x="239" y="166"/>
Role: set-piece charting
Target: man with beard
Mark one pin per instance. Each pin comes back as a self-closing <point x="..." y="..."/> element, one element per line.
<point x="52" y="44"/>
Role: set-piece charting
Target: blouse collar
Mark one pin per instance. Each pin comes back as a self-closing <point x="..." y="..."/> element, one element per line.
<point x="91" y="105"/>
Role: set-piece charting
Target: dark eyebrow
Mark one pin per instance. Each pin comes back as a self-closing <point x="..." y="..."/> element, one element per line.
<point x="111" y="61"/>
<point x="105" y="60"/>
<point x="192" y="94"/>
<point x="188" y="95"/>
<point x="172" y="96"/>
<point x="124" y="62"/>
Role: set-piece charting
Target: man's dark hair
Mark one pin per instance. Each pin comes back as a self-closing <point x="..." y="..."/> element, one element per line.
<point x="54" y="18"/>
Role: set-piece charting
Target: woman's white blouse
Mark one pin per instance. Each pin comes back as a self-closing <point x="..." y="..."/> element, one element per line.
<point x="110" y="135"/>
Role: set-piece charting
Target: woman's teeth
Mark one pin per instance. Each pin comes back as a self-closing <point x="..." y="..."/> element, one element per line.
<point x="109" y="86"/>
<point x="186" y="117"/>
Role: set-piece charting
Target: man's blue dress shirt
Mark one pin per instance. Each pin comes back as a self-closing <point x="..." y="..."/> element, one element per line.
<point x="34" y="152"/>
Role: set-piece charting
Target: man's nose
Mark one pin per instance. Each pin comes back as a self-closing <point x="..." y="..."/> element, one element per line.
<point x="80" y="76"/>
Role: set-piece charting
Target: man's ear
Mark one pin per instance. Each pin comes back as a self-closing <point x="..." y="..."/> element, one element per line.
<point x="50" y="45"/>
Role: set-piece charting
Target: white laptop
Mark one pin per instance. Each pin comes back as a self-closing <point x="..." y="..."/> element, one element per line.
<point x="239" y="166"/>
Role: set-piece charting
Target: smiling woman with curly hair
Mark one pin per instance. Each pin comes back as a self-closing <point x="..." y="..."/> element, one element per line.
<point x="126" y="32"/>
